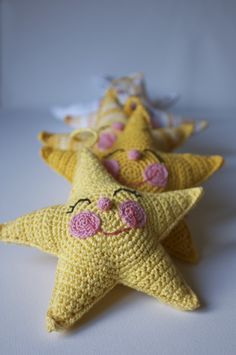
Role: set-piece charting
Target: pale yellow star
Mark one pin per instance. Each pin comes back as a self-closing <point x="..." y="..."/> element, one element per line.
<point x="104" y="235"/>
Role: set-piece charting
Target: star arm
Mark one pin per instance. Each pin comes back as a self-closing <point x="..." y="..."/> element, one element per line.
<point x="42" y="229"/>
<point x="170" y="138"/>
<point x="57" y="141"/>
<point x="189" y="170"/>
<point x="169" y="208"/>
<point x="78" y="286"/>
<point x="156" y="276"/>
<point x="69" y="141"/>
<point x="179" y="243"/>
<point x="62" y="161"/>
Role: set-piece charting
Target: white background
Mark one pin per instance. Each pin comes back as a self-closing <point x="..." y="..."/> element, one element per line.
<point x="52" y="48"/>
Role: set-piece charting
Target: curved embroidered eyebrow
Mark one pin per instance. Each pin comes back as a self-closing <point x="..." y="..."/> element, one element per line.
<point x="115" y="151"/>
<point x="156" y="155"/>
<point x="134" y="192"/>
<point x="72" y="207"/>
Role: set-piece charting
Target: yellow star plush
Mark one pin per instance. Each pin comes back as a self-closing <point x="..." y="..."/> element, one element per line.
<point x="109" y="124"/>
<point x="136" y="163"/>
<point x="104" y="235"/>
<point x="134" y="85"/>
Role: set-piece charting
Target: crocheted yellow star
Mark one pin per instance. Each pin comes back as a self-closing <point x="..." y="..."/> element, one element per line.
<point x="109" y="124"/>
<point x="104" y="235"/>
<point x="134" y="85"/>
<point x="135" y="162"/>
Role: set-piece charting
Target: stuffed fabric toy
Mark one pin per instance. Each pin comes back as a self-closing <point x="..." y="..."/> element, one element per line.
<point x="135" y="163"/>
<point x="125" y="86"/>
<point x="110" y="122"/>
<point x="104" y="235"/>
<point x="133" y="85"/>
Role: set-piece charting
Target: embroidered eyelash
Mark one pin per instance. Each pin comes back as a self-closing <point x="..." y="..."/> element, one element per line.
<point x="72" y="207"/>
<point x="127" y="190"/>
<point x="115" y="151"/>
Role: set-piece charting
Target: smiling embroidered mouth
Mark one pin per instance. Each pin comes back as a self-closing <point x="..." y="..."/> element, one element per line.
<point x="115" y="232"/>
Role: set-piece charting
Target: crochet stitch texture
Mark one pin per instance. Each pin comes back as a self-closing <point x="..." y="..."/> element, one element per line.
<point x="170" y="172"/>
<point x="109" y="124"/>
<point x="118" y="245"/>
<point x="134" y="85"/>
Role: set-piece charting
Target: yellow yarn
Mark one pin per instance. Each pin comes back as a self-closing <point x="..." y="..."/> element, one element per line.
<point x="185" y="170"/>
<point x="134" y="85"/>
<point x="88" y="268"/>
<point x="111" y="111"/>
<point x="72" y="141"/>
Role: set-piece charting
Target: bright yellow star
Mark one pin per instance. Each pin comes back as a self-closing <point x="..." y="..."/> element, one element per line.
<point x="135" y="162"/>
<point x="110" y="120"/>
<point x="104" y="235"/>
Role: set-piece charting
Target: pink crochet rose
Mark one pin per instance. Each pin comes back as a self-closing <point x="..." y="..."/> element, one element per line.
<point x="84" y="225"/>
<point x="156" y="174"/>
<point x="133" y="214"/>
<point x="106" y="140"/>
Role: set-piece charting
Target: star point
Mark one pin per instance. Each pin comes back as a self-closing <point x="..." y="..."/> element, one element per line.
<point x="99" y="247"/>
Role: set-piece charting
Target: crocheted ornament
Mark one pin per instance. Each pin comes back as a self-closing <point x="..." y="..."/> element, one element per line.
<point x="110" y="122"/>
<point x="153" y="171"/>
<point x="99" y="248"/>
<point x="134" y="85"/>
<point x="165" y="139"/>
<point x="84" y="115"/>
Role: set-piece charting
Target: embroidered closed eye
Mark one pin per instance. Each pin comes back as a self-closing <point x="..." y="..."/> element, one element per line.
<point x="72" y="207"/>
<point x="134" y="192"/>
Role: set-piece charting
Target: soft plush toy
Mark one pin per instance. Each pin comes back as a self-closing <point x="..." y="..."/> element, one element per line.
<point x="79" y="116"/>
<point x="136" y="163"/>
<point x="104" y="235"/>
<point x="110" y="122"/>
<point x="125" y="86"/>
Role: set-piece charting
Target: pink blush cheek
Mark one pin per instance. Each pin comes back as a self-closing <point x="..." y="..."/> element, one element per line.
<point x="112" y="166"/>
<point x="106" y="140"/>
<point x="119" y="126"/>
<point x="84" y="224"/>
<point x="156" y="175"/>
<point x="133" y="214"/>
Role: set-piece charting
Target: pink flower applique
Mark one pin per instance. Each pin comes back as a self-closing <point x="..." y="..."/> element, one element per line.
<point x="84" y="224"/>
<point x="133" y="214"/>
<point x="156" y="174"/>
<point x="106" y="140"/>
